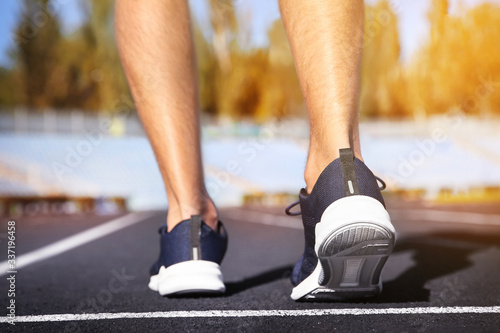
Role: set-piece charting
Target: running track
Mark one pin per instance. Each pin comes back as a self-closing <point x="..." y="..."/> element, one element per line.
<point x="89" y="273"/>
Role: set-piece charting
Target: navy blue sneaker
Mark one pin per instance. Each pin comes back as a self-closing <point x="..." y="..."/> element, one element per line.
<point x="190" y="255"/>
<point x="348" y="234"/>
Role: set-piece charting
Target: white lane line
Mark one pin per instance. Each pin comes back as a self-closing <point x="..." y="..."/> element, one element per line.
<point x="446" y="216"/>
<point x="76" y="240"/>
<point x="255" y="313"/>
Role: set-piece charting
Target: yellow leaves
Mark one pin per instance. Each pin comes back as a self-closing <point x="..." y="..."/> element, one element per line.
<point x="458" y="62"/>
<point x="261" y="83"/>
<point x="457" y="67"/>
<point x="380" y="66"/>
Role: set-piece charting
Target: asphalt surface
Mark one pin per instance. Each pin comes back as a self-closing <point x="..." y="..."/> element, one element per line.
<point x="437" y="262"/>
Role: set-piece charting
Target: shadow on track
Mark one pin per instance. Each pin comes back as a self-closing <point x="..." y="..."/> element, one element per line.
<point x="436" y="254"/>
<point x="236" y="287"/>
<point x="257" y="280"/>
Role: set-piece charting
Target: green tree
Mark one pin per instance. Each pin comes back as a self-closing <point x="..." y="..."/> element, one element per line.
<point x="90" y="62"/>
<point x="10" y="83"/>
<point x="38" y="37"/>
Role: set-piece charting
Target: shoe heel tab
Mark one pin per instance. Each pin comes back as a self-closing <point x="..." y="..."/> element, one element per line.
<point x="194" y="237"/>
<point x="348" y="171"/>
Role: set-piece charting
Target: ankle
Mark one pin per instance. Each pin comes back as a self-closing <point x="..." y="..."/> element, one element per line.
<point x="178" y="212"/>
<point x="318" y="160"/>
<point x="314" y="168"/>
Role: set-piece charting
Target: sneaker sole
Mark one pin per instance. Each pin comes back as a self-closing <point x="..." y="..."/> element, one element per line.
<point x="353" y="241"/>
<point x="189" y="277"/>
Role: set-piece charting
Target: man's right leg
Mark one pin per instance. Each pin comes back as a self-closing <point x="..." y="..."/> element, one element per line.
<point x="156" y="49"/>
<point x="348" y="233"/>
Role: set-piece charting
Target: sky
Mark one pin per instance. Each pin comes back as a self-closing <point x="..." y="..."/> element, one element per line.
<point x="412" y="19"/>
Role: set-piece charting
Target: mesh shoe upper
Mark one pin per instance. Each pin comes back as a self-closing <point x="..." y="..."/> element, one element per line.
<point x="177" y="245"/>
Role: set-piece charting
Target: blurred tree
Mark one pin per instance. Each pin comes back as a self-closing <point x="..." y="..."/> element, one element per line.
<point x="92" y="66"/>
<point x="238" y="91"/>
<point x="279" y="85"/>
<point x="425" y="85"/>
<point x="437" y="17"/>
<point x="78" y="71"/>
<point x="279" y="48"/>
<point x="38" y="39"/>
<point x="10" y="84"/>
<point x="382" y="91"/>
<point x="225" y="27"/>
<point x="262" y="83"/>
<point x="459" y="67"/>
<point x="207" y="71"/>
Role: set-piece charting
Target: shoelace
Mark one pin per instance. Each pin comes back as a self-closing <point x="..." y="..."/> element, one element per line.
<point x="381" y="187"/>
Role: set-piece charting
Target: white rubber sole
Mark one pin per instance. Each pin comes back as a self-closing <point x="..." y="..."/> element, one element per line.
<point x="189" y="277"/>
<point x="353" y="241"/>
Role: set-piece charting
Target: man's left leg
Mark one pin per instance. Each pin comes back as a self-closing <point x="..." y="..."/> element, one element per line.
<point x="157" y="52"/>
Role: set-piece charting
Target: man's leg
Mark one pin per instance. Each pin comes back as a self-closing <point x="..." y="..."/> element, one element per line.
<point x="348" y="233"/>
<point x="326" y="38"/>
<point x="157" y="52"/>
<point x="156" y="48"/>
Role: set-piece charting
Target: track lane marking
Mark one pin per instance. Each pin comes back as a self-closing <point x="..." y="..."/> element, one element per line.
<point x="256" y="313"/>
<point x="75" y="240"/>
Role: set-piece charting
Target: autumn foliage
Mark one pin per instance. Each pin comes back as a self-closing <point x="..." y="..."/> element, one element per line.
<point x="458" y="66"/>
